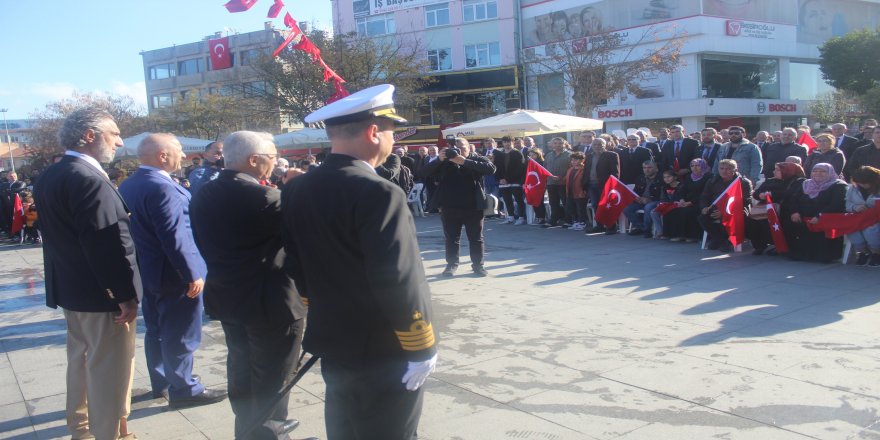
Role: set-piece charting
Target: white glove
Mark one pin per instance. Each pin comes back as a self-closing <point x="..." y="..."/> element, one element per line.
<point x="418" y="372"/>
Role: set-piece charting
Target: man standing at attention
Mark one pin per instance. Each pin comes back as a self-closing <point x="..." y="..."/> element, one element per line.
<point x="370" y="307"/>
<point x="173" y="272"/>
<point x="236" y="224"/>
<point x="91" y="273"/>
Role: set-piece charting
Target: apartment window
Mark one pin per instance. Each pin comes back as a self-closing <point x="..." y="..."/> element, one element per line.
<point x="477" y="10"/>
<point x="482" y="55"/>
<point x="255" y="89"/>
<point x="437" y="15"/>
<point x="162" y="71"/>
<point x="252" y="56"/>
<point x="740" y="77"/>
<point x="163" y="100"/>
<point x="375" y="25"/>
<point x="191" y="67"/>
<point x="440" y="59"/>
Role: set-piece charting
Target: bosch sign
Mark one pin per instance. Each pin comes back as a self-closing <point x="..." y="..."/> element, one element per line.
<point x="619" y="113"/>
<point x="782" y="107"/>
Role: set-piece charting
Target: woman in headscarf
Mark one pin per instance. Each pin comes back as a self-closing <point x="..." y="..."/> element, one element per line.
<point x="826" y="152"/>
<point x="822" y="192"/>
<point x="862" y="195"/>
<point x="786" y="177"/>
<point x="680" y="224"/>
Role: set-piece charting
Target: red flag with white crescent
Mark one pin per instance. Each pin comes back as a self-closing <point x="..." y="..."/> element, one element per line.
<point x="730" y="205"/>
<point x="536" y="183"/>
<point x="221" y="58"/>
<point x="663" y="208"/>
<point x="776" y="228"/>
<point x="808" y="141"/>
<point x="835" y="224"/>
<point x="615" y="198"/>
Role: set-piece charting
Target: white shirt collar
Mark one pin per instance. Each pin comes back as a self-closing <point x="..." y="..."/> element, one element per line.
<point x="364" y="164"/>
<point x="89" y="159"/>
<point x="160" y="171"/>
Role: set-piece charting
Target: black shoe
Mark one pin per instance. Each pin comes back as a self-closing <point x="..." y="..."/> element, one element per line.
<point x="713" y="245"/>
<point x="772" y="252"/>
<point x="636" y="231"/>
<point x="758" y="251"/>
<point x="874" y="261"/>
<point x="862" y="259"/>
<point x="725" y="247"/>
<point x="480" y="271"/>
<point x="610" y="231"/>
<point x="281" y="427"/>
<point x="450" y="270"/>
<point x="597" y="230"/>
<point x="647" y="234"/>
<point x="207" y="397"/>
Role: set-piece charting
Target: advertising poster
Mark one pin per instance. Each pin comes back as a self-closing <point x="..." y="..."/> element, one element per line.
<point x="819" y="20"/>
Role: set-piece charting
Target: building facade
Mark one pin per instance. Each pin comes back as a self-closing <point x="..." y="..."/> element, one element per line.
<point x="752" y="63"/>
<point x="471" y="50"/>
<point x="173" y="73"/>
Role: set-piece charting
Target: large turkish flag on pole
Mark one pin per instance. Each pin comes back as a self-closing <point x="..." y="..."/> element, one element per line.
<point x="536" y="183"/>
<point x="615" y="198"/>
<point x="221" y="58"/>
<point x="730" y="205"/>
<point x="776" y="228"/>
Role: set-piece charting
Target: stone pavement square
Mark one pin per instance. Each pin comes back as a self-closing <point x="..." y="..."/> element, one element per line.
<point x="571" y="337"/>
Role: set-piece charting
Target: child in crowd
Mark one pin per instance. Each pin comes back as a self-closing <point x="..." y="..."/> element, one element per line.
<point x="861" y="195"/>
<point x="575" y="194"/>
<point x="31" y="232"/>
<point x="670" y="193"/>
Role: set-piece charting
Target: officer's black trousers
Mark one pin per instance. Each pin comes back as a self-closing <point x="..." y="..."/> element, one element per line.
<point x="366" y="400"/>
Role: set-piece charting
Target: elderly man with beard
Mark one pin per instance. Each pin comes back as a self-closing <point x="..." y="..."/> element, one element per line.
<point x="461" y="189"/>
<point x="91" y="273"/>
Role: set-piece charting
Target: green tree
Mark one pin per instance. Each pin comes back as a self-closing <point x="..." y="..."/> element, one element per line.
<point x="129" y="116"/>
<point x="295" y="83"/>
<point x="214" y="116"/>
<point x="836" y="106"/>
<point x="848" y="62"/>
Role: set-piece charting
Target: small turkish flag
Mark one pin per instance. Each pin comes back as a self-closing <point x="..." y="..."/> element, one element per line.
<point x="776" y="228"/>
<point x="663" y="208"/>
<point x="295" y="36"/>
<point x="17" y="215"/>
<point x="275" y="9"/>
<point x="536" y="183"/>
<point x="730" y="205"/>
<point x="221" y="58"/>
<point x="839" y="224"/>
<point x="239" y="5"/>
<point x="807" y="141"/>
<point x="615" y="198"/>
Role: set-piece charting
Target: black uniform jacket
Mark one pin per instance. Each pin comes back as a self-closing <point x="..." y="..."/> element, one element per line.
<point x="236" y="224"/>
<point x="88" y="253"/>
<point x="352" y="249"/>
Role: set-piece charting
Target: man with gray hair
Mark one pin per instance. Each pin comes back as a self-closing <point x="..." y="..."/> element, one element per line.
<point x="174" y="272"/>
<point x="777" y="152"/>
<point x="845" y="143"/>
<point x="92" y="274"/>
<point x="236" y="222"/>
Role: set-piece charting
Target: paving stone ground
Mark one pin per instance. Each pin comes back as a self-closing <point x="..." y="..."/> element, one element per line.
<point x="571" y="337"/>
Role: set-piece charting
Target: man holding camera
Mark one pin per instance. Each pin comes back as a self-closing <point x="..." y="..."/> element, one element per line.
<point x="460" y="198"/>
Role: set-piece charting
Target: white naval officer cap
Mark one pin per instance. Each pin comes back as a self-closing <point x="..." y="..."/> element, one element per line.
<point x="375" y="101"/>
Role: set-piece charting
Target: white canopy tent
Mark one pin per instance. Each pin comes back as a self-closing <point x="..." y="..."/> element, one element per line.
<point x="303" y="138"/>
<point x="523" y="123"/>
<point x="190" y="145"/>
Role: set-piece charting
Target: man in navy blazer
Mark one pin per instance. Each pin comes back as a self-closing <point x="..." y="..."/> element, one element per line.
<point x="91" y="273"/>
<point x="173" y="272"/>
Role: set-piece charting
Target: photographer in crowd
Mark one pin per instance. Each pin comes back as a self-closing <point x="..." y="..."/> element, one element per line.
<point x="460" y="198"/>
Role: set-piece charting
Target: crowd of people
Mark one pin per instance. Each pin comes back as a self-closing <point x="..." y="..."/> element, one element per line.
<point x="676" y="179"/>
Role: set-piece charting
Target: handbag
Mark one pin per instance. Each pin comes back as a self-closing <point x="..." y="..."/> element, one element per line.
<point x="759" y="211"/>
<point x="488" y="203"/>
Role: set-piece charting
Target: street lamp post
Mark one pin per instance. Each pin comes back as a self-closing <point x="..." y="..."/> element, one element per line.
<point x="8" y="140"/>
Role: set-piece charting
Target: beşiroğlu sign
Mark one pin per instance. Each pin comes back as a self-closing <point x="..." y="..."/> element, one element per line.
<point x="739" y="28"/>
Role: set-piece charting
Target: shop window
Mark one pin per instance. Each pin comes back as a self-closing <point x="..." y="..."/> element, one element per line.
<point x="740" y="77"/>
<point x="483" y="105"/>
<point x="806" y="81"/>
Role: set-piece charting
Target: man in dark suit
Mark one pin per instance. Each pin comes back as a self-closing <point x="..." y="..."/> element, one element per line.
<point x="510" y="170"/>
<point x="777" y="152"/>
<point x="173" y="271"/>
<point x="677" y="152"/>
<point x="91" y="273"/>
<point x="653" y="147"/>
<point x="708" y="150"/>
<point x="845" y="143"/>
<point x="762" y="142"/>
<point x="632" y="156"/>
<point x="237" y="226"/>
<point x="601" y="163"/>
<point x="404" y="159"/>
<point x="369" y="303"/>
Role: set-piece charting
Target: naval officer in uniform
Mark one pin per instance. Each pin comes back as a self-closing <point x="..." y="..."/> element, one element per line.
<point x="352" y="250"/>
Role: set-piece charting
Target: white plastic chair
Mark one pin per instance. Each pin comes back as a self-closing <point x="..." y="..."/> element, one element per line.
<point x="847" y="250"/>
